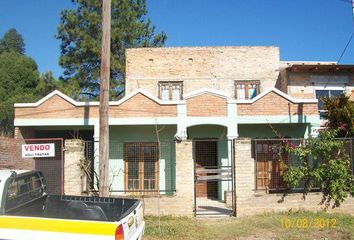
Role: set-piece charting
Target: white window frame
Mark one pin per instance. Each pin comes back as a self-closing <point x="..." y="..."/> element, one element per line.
<point x="171" y="86"/>
<point x="246" y="89"/>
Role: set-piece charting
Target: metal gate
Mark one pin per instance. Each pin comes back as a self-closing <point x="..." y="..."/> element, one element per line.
<point x="213" y="178"/>
<point x="51" y="165"/>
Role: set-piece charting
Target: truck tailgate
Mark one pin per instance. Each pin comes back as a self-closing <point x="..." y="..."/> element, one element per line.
<point x="30" y="228"/>
<point x="33" y="228"/>
<point x="134" y="224"/>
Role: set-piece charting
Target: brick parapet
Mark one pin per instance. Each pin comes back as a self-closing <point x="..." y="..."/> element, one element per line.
<point x="206" y="105"/>
<point x="57" y="107"/>
<point x="273" y="104"/>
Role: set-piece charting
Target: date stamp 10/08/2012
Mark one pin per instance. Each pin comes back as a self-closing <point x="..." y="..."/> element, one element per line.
<point x="305" y="223"/>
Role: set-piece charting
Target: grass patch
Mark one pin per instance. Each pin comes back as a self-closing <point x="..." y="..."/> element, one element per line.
<point x="290" y="225"/>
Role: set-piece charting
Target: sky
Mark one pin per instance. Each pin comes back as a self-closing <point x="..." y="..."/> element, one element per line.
<point x="304" y="30"/>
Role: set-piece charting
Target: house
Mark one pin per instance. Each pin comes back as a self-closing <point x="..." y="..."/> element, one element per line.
<point x="183" y="128"/>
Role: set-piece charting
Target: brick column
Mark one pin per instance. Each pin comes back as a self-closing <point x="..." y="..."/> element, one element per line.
<point x="245" y="173"/>
<point x="74" y="153"/>
<point x="184" y="178"/>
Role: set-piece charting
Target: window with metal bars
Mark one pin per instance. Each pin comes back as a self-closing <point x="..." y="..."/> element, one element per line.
<point x="271" y="158"/>
<point x="269" y="165"/>
<point x="246" y="90"/>
<point x="141" y="167"/>
<point x="170" y="90"/>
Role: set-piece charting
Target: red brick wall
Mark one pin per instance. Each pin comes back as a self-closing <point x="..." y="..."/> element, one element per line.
<point x="274" y="104"/>
<point x="10" y="155"/>
<point x="206" y="105"/>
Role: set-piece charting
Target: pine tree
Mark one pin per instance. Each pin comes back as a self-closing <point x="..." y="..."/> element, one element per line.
<point x="80" y="35"/>
<point x="12" y="41"/>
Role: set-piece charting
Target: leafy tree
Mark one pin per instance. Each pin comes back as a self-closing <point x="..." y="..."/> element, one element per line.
<point x="324" y="163"/>
<point x="12" y="41"/>
<point x="47" y="83"/>
<point x="7" y="111"/>
<point x="80" y="35"/>
<point x="340" y="115"/>
<point x="18" y="81"/>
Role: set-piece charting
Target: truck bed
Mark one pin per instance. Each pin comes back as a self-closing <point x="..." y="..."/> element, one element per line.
<point x="88" y="208"/>
<point x="78" y="207"/>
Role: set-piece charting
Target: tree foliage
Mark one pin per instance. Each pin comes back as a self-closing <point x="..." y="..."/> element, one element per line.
<point x="324" y="163"/>
<point x="18" y="81"/>
<point x="340" y="115"/>
<point x="80" y="33"/>
<point x="12" y="41"/>
<point x="47" y="84"/>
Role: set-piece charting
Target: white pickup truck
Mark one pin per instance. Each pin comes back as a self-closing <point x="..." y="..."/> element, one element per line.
<point x="27" y="212"/>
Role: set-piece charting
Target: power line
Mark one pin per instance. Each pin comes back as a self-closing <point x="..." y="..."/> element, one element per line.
<point x="346" y="47"/>
<point x="339" y="59"/>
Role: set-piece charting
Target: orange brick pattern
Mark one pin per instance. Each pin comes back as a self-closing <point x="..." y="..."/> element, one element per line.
<point x="206" y="105"/>
<point x="57" y="107"/>
<point x="142" y="106"/>
<point x="274" y="104"/>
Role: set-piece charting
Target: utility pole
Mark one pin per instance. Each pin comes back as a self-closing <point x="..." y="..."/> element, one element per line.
<point x="104" y="98"/>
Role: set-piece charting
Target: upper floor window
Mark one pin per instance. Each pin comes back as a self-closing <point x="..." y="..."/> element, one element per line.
<point x="246" y="89"/>
<point x="326" y="92"/>
<point x="170" y="91"/>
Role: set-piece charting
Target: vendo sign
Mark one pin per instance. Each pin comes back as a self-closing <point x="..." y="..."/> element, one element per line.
<point x="38" y="150"/>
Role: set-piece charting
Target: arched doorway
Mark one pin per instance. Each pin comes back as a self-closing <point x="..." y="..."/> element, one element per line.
<point x="213" y="171"/>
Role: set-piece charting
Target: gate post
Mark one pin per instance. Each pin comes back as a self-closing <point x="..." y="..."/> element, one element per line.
<point x="185" y="177"/>
<point x="244" y="174"/>
<point x="74" y="154"/>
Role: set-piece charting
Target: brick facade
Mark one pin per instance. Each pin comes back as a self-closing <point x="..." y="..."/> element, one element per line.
<point x="10" y="155"/>
<point x="206" y="105"/>
<point x="301" y="84"/>
<point x="57" y="107"/>
<point x="201" y="67"/>
<point x="142" y="106"/>
<point x="274" y="104"/>
<point x="215" y="70"/>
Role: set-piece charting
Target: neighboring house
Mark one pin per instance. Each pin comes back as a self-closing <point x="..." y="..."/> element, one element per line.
<point x="316" y="80"/>
<point x="185" y="104"/>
